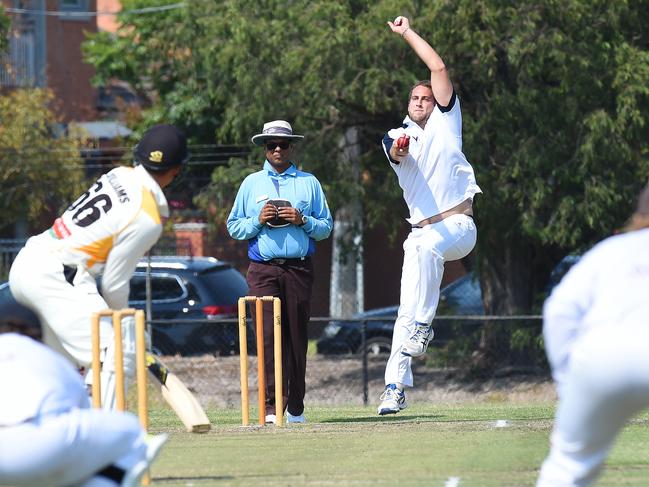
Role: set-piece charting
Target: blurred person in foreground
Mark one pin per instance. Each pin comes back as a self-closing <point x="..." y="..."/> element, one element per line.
<point x="282" y="211"/>
<point x="596" y="331"/>
<point x="438" y="186"/>
<point x="104" y="233"/>
<point x="49" y="435"/>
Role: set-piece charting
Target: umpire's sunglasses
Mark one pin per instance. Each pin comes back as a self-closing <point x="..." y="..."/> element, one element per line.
<point x="283" y="144"/>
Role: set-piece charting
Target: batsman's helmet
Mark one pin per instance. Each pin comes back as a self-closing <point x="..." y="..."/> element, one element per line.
<point x="162" y="147"/>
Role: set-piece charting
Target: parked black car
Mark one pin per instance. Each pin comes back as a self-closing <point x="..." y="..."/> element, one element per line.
<point x="182" y="288"/>
<point x="461" y="297"/>
<point x="190" y="288"/>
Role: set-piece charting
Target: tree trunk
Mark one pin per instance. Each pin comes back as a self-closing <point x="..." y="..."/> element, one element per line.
<point x="507" y="289"/>
<point x="346" y="294"/>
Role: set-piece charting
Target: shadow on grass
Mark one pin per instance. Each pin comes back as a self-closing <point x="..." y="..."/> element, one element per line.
<point x="402" y="418"/>
<point x="212" y="478"/>
<point x="189" y="478"/>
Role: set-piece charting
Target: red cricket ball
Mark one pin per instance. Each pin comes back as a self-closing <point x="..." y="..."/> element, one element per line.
<point x="403" y="142"/>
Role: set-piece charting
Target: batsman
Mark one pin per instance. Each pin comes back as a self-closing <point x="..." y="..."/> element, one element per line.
<point x="103" y="233"/>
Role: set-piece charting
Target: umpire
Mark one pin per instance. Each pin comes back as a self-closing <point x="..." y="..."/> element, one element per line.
<point x="282" y="211"/>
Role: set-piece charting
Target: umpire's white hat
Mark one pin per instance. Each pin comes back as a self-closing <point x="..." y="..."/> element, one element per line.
<point x="277" y="129"/>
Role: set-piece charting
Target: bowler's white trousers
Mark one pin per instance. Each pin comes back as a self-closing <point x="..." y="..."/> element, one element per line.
<point x="37" y="281"/>
<point x="424" y="253"/>
<point x="607" y="382"/>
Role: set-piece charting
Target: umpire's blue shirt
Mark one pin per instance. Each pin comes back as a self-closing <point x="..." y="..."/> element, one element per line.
<point x="304" y="192"/>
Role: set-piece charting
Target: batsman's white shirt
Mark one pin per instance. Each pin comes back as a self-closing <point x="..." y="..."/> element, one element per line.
<point x="48" y="434"/>
<point x="435" y="176"/>
<point x="596" y="331"/>
<point x="106" y="231"/>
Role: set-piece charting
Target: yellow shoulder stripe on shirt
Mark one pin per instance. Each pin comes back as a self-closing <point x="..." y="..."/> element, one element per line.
<point x="149" y="205"/>
<point x="97" y="251"/>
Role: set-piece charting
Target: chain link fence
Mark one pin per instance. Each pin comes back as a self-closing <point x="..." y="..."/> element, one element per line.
<point x="353" y="378"/>
<point x="9" y="248"/>
<point x="191" y="308"/>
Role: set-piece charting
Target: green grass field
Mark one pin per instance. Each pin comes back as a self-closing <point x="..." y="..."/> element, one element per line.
<point x="424" y="445"/>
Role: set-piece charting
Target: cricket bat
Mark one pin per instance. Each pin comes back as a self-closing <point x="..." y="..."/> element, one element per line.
<point x="179" y="398"/>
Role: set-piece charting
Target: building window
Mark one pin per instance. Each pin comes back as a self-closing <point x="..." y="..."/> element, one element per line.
<point x="74" y="10"/>
<point x="73" y="5"/>
<point x="18" y="65"/>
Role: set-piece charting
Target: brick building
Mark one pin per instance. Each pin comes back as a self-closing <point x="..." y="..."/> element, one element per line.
<point x="45" y="51"/>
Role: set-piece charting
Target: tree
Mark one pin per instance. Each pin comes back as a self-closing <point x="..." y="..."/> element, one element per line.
<point x="302" y="78"/>
<point x="5" y="22"/>
<point x="555" y="105"/>
<point x="39" y="170"/>
<point x="554" y="98"/>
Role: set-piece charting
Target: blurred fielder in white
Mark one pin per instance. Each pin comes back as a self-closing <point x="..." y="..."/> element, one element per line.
<point x="596" y="331"/>
<point x="105" y="232"/>
<point x="49" y="435"/>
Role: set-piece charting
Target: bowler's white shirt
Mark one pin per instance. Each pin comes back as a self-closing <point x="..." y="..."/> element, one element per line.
<point x="435" y="176"/>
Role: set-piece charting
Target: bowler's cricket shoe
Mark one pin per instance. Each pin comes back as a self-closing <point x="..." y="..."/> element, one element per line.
<point x="393" y="400"/>
<point x="417" y="342"/>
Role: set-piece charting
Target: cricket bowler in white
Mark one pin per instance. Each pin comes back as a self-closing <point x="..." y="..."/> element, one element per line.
<point x="49" y="434"/>
<point x="438" y="186"/>
<point x="105" y="232"/>
<point x="596" y="332"/>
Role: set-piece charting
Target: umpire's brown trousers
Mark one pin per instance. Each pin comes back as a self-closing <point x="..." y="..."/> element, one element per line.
<point x="291" y="280"/>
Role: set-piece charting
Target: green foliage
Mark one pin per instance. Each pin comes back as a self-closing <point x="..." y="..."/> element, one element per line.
<point x="218" y="201"/>
<point x="38" y="170"/>
<point x="5" y="22"/>
<point x="554" y="95"/>
<point x="555" y="100"/>
<point x="313" y="63"/>
<point x="555" y="113"/>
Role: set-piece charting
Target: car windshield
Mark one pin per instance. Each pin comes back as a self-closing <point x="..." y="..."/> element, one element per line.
<point x="462" y="297"/>
<point x="226" y="283"/>
<point x="5" y="293"/>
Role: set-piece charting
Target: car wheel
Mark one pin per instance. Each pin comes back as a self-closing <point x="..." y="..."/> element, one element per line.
<point x="377" y="346"/>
